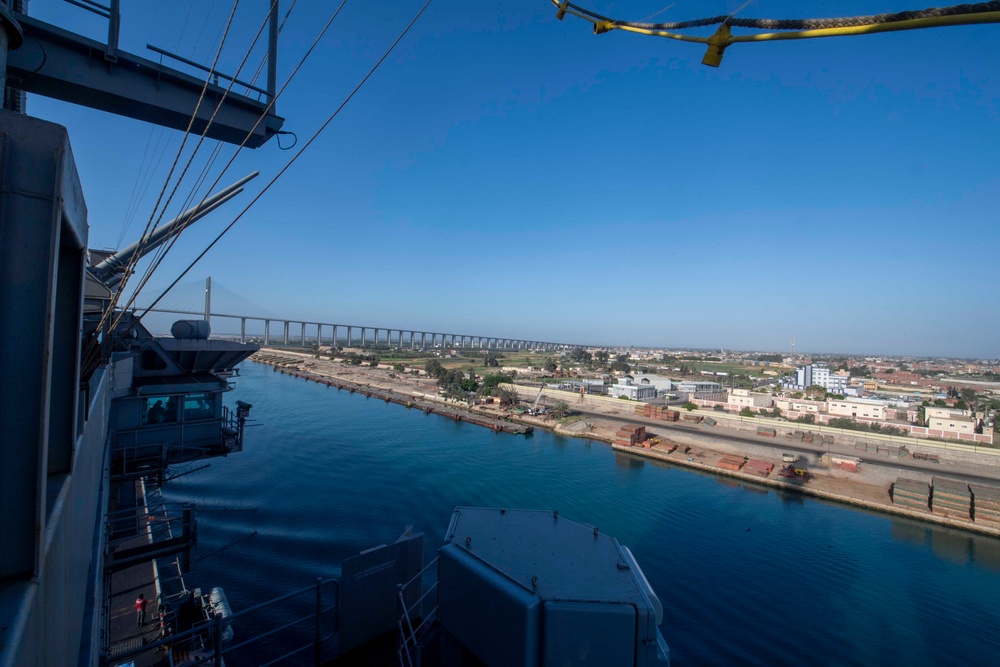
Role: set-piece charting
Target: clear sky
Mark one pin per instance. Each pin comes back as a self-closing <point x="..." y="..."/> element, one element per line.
<point x="509" y="174"/>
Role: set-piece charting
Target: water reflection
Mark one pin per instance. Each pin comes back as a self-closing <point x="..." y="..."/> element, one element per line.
<point x="952" y="546"/>
<point x="910" y="531"/>
<point x="949" y="544"/>
<point x="628" y="462"/>
<point x="987" y="552"/>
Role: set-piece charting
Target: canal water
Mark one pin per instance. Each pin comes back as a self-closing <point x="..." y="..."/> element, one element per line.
<point x="747" y="575"/>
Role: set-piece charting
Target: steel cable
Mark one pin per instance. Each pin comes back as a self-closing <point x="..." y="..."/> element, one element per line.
<point x="130" y="265"/>
<point x="260" y="119"/>
<point x="299" y="153"/>
<point x="162" y="250"/>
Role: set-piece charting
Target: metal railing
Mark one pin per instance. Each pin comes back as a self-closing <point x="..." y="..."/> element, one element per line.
<point x="410" y="636"/>
<point x="215" y="627"/>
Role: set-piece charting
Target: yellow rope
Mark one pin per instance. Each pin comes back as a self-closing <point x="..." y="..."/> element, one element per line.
<point x="723" y="36"/>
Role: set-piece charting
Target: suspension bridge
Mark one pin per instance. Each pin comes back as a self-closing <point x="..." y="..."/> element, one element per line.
<point x="210" y="300"/>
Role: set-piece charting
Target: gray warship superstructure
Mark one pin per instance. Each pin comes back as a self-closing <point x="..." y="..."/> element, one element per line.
<point x="94" y="406"/>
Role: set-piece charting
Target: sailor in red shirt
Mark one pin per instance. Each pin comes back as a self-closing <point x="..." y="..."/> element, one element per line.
<point x="140" y="611"/>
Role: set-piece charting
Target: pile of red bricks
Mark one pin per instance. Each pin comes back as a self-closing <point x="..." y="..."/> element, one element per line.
<point x="651" y="411"/>
<point x="630" y="436"/>
<point x="758" y="468"/>
<point x="731" y="462"/>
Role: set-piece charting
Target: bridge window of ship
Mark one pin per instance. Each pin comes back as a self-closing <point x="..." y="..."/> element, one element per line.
<point x="159" y="410"/>
<point x="199" y="406"/>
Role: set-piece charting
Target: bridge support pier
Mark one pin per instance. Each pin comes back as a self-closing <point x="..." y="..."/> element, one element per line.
<point x="267" y="331"/>
<point x="243" y="329"/>
<point x="286" y="332"/>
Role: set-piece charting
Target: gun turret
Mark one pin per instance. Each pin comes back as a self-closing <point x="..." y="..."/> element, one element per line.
<point x="111" y="269"/>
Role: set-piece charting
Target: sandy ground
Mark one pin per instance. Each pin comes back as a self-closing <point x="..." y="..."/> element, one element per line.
<point x="696" y="447"/>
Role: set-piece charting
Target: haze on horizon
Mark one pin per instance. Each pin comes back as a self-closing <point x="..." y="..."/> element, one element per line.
<point x="509" y="174"/>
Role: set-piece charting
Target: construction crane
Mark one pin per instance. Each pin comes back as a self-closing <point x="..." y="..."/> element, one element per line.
<point x="534" y="406"/>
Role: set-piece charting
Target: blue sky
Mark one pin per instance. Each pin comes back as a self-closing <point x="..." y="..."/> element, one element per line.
<point x="508" y="174"/>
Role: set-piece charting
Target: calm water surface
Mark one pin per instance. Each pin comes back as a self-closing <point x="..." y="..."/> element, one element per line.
<point x="747" y="576"/>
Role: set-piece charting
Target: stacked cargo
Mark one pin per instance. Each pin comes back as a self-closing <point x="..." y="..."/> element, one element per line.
<point x="827" y="439"/>
<point x="848" y="463"/>
<point x="709" y="421"/>
<point x="951" y="498"/>
<point x="986" y="504"/>
<point x="693" y="418"/>
<point x="766" y="431"/>
<point x="731" y="462"/>
<point x="911" y="493"/>
<point x="651" y="411"/>
<point x="758" y="468"/>
<point x="630" y="436"/>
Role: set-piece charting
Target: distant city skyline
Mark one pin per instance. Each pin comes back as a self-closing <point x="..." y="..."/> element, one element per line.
<point x="508" y="174"/>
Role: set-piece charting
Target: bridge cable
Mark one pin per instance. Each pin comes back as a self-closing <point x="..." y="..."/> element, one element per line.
<point x="300" y="151"/>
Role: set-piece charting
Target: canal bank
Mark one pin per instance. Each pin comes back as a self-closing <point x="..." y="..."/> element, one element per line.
<point x="871" y="487"/>
<point x="684" y="459"/>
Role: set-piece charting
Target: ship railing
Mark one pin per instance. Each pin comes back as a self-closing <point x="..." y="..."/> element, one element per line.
<point x="409" y="635"/>
<point x="216" y="626"/>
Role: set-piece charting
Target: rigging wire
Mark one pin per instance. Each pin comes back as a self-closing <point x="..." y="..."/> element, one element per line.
<point x="199" y="182"/>
<point x="135" y="187"/>
<point x="194" y="152"/>
<point x="210" y="163"/>
<point x="147" y="172"/>
<point x="260" y="119"/>
<point x="295" y="157"/>
<point x="143" y="239"/>
<point x="935" y="17"/>
<point x="197" y="40"/>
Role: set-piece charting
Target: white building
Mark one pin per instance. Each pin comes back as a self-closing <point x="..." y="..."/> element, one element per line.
<point x="662" y="383"/>
<point x="799" y="405"/>
<point x="820" y="375"/>
<point x="955" y="422"/>
<point x="855" y="408"/>
<point x="744" y="398"/>
<point x="633" y="392"/>
<point x="709" y="391"/>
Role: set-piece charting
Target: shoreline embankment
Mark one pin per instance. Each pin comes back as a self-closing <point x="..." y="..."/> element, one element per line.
<point x="677" y="456"/>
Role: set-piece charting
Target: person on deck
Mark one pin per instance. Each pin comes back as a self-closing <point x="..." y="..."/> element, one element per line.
<point x="140" y="611"/>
